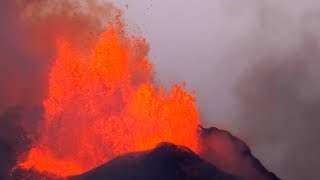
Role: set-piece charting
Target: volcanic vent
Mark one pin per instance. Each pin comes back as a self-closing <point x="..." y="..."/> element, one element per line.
<point x="106" y="99"/>
<point x="103" y="104"/>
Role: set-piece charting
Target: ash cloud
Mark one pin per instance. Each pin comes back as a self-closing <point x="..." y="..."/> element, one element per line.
<point x="27" y="48"/>
<point x="280" y="109"/>
<point x="28" y="36"/>
<point x="278" y="92"/>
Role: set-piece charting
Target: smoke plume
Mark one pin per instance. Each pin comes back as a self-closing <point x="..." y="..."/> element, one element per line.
<point x="28" y="39"/>
<point x="278" y="92"/>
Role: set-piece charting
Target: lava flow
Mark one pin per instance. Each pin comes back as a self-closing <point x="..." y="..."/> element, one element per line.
<point x="104" y="104"/>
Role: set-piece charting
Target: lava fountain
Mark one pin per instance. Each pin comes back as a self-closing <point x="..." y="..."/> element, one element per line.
<point x="103" y="104"/>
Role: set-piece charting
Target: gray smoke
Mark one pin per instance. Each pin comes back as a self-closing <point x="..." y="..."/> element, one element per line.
<point x="27" y="47"/>
<point x="280" y="110"/>
<point x="29" y="29"/>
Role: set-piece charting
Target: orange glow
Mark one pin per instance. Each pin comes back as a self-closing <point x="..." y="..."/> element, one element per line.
<point x="104" y="104"/>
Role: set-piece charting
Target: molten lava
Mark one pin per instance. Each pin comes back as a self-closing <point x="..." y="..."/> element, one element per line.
<point x="103" y="104"/>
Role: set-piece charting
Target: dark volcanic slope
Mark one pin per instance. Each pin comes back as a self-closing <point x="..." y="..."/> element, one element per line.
<point x="165" y="162"/>
<point x="232" y="155"/>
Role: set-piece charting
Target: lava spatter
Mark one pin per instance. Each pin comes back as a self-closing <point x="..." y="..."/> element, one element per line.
<point x="104" y="104"/>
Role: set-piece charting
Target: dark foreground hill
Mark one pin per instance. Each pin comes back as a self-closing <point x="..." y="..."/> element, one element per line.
<point x="223" y="157"/>
<point x="165" y="162"/>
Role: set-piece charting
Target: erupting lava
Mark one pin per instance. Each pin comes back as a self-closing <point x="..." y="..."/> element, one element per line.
<point x="104" y="104"/>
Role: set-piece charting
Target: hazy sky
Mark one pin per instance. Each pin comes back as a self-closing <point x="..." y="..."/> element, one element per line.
<point x="254" y="67"/>
<point x="189" y="42"/>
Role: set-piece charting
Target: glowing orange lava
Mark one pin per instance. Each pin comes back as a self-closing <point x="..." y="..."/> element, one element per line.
<point x="104" y="104"/>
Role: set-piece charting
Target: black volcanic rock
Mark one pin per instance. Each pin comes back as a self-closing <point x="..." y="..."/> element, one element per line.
<point x="165" y="162"/>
